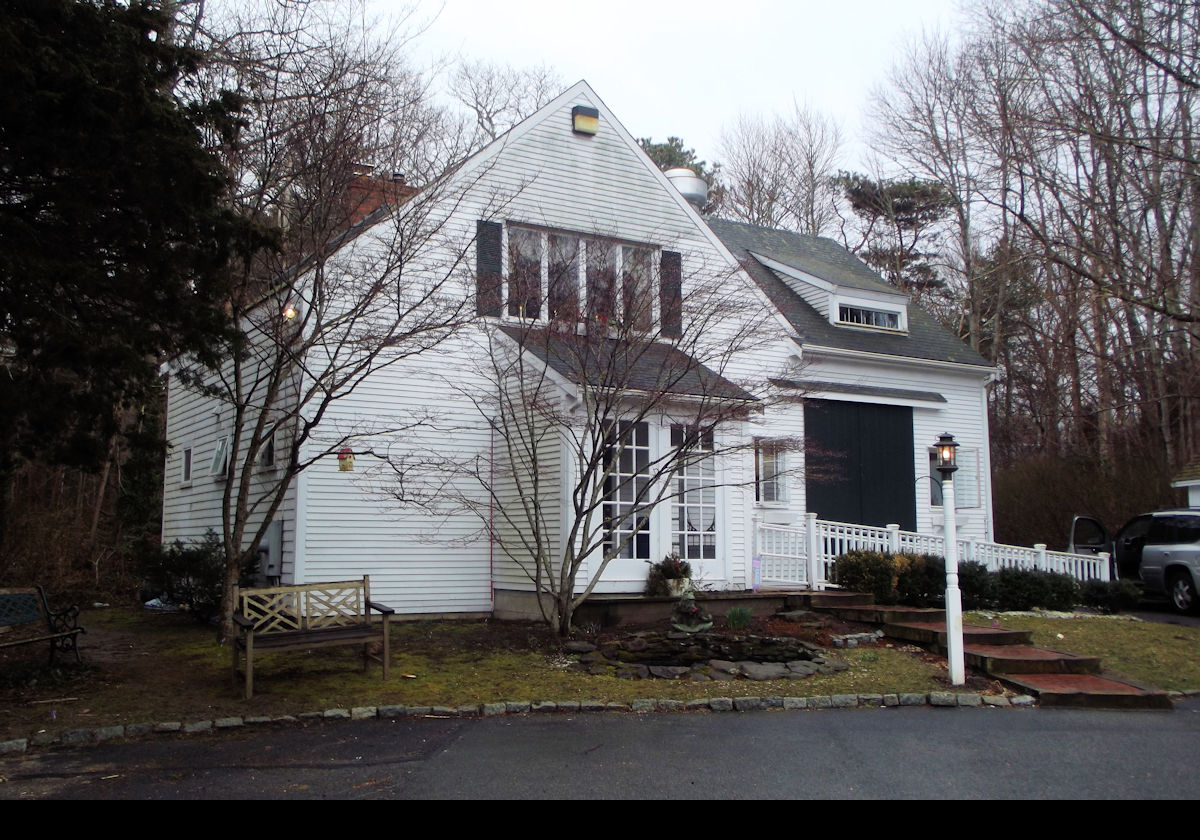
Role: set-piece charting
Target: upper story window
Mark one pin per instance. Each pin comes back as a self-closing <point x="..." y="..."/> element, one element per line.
<point x="538" y="274"/>
<point x="862" y="316"/>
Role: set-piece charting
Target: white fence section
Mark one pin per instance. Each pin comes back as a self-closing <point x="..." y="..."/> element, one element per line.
<point x="805" y="555"/>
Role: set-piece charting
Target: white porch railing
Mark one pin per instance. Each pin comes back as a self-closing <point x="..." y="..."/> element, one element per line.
<point x="805" y="554"/>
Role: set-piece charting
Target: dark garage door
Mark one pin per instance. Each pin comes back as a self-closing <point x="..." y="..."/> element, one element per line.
<point x="860" y="463"/>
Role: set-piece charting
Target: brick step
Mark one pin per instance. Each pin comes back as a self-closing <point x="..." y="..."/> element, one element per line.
<point x="1089" y="691"/>
<point x="934" y="633"/>
<point x="997" y="660"/>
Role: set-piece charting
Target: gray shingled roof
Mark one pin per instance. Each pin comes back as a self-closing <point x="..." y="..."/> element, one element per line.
<point x="926" y="338"/>
<point x="858" y="390"/>
<point x="653" y="367"/>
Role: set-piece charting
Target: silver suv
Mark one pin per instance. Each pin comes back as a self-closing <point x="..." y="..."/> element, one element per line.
<point x="1161" y="550"/>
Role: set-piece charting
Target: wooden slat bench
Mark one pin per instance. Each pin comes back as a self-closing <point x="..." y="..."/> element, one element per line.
<point x="26" y="619"/>
<point x="307" y="616"/>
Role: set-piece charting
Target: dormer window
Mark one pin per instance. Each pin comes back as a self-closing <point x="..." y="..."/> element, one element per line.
<point x="861" y="316"/>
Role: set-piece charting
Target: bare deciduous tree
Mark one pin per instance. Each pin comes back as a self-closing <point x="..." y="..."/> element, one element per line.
<point x="358" y="278"/>
<point x="776" y="173"/>
<point x="500" y="96"/>
<point x="612" y="427"/>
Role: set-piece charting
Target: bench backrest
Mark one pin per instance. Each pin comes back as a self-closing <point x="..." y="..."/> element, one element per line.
<point x="313" y="606"/>
<point x="22" y="606"/>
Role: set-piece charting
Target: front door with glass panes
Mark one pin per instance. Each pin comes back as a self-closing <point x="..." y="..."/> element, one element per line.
<point x="686" y="521"/>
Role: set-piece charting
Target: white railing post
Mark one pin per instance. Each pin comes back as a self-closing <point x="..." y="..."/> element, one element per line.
<point x="1040" y="548"/>
<point x="755" y="553"/>
<point x="816" y="565"/>
<point x="970" y="554"/>
<point x="1104" y="557"/>
<point x="894" y="538"/>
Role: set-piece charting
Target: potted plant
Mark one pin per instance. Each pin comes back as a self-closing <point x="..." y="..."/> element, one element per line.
<point x="669" y="576"/>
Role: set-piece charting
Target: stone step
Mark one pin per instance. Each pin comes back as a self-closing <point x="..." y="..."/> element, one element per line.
<point x="827" y="598"/>
<point x="1089" y="691"/>
<point x="879" y="614"/>
<point x="934" y="633"/>
<point x="998" y="660"/>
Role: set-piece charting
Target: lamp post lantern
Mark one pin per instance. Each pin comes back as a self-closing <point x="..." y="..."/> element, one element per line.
<point x="946" y="465"/>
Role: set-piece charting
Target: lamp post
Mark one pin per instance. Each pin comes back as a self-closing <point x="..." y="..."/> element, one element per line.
<point x="946" y="465"/>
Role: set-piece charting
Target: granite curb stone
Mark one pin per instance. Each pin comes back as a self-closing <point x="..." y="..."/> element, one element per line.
<point x="75" y="737"/>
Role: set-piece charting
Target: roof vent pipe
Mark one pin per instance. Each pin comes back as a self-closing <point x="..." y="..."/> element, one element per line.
<point x="690" y="186"/>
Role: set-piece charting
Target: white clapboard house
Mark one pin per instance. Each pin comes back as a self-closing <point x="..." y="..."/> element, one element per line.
<point x="811" y="386"/>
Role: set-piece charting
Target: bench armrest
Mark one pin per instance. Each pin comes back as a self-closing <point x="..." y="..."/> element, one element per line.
<point x="63" y="621"/>
<point x="383" y="608"/>
<point x="243" y="622"/>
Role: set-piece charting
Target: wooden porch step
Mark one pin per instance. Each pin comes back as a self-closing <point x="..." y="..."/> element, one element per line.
<point x="1025" y="659"/>
<point x="1089" y="691"/>
<point x="934" y="633"/>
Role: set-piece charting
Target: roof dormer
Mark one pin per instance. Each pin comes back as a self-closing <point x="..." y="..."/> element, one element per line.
<point x="856" y="306"/>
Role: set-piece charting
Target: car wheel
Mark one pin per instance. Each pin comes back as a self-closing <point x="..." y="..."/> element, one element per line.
<point x="1183" y="593"/>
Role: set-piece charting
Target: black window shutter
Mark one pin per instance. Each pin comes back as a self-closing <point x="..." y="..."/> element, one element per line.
<point x="489" y="258"/>
<point x="670" y="294"/>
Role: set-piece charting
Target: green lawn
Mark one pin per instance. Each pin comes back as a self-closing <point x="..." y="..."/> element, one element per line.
<point x="1163" y="655"/>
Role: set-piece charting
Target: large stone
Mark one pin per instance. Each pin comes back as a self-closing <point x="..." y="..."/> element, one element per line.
<point x="17" y="745"/>
<point x="795" y="615"/>
<point x="760" y="671"/>
<point x="669" y="672"/>
<point x="578" y="647"/>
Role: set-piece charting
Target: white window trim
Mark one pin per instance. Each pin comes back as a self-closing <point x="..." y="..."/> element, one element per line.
<point x="585" y="244"/>
<point x="219" y="464"/>
<point x="779" y="479"/>
<point x="968" y="461"/>
<point x="268" y="457"/>
<point x="872" y="305"/>
<point x="186" y="467"/>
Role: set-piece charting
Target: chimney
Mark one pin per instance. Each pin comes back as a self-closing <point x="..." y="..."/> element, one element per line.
<point x="366" y="194"/>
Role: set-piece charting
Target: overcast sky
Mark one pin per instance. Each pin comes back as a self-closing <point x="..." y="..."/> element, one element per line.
<point x="689" y="68"/>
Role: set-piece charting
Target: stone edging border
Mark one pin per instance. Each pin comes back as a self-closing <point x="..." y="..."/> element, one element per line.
<point x="79" y="737"/>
